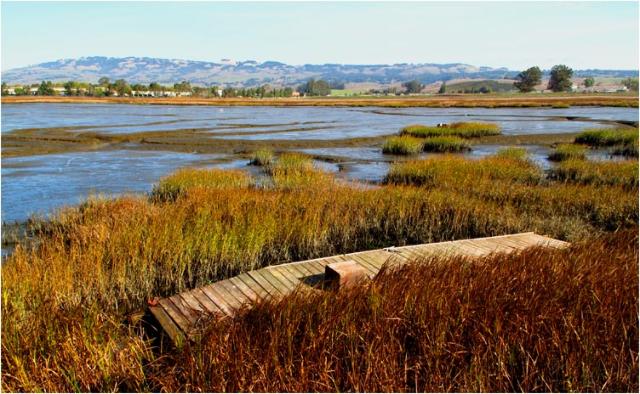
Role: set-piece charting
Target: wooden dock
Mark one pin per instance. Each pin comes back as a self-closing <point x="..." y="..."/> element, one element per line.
<point x="185" y="314"/>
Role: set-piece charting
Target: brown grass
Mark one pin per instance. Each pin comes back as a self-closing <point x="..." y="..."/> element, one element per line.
<point x="540" y="321"/>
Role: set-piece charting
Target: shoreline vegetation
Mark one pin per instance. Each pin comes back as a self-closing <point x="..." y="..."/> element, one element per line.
<point x="560" y="100"/>
<point x="70" y="297"/>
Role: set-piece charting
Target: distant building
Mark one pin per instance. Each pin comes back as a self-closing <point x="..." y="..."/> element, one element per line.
<point x="295" y="94"/>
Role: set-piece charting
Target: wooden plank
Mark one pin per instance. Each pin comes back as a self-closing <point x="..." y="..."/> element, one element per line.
<point x="253" y="285"/>
<point x="366" y="265"/>
<point x="281" y="285"/>
<point x="291" y="271"/>
<point x="303" y="267"/>
<point x="184" y="308"/>
<point x="234" y="291"/>
<point x="206" y="301"/>
<point x="284" y="276"/>
<point x="225" y="295"/>
<point x="217" y="299"/>
<point x="256" y="275"/>
<point x="177" y="316"/>
<point x="246" y="290"/>
<point x="168" y="325"/>
<point x="300" y="274"/>
<point x="196" y="307"/>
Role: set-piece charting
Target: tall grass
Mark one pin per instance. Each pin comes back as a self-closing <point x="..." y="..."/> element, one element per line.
<point x="446" y="144"/>
<point x="403" y="145"/>
<point x="568" y="151"/>
<point x="623" y="173"/>
<point x="67" y="296"/>
<point x="262" y="157"/>
<point x="608" y="137"/>
<point x="460" y="129"/>
<point x="544" y="320"/>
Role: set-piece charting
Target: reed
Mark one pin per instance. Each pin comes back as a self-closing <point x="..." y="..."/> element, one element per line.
<point x="69" y="296"/>
<point x="446" y="144"/>
<point x="568" y="151"/>
<point x="608" y="137"/>
<point x="460" y="129"/>
<point x="403" y="145"/>
<point x="624" y="174"/>
<point x="529" y="322"/>
<point x="262" y="157"/>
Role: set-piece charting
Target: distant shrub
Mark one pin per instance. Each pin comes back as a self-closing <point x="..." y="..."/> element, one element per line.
<point x="403" y="145"/>
<point x="446" y="144"/>
<point x="568" y="151"/>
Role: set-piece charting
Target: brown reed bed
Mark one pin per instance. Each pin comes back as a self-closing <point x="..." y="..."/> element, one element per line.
<point x="68" y="297"/>
<point x="543" y="320"/>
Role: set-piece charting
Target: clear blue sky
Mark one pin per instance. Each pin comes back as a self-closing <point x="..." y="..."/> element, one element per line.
<point x="515" y="35"/>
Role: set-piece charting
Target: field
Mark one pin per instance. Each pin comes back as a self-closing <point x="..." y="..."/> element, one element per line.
<point x="438" y="101"/>
<point x="72" y="295"/>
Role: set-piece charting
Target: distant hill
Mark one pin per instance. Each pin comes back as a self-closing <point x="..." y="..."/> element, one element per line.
<point x="251" y="73"/>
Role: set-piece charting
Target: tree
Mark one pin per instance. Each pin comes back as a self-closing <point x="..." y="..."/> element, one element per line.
<point x="183" y="86"/>
<point x="4" y="89"/>
<point x="104" y="81"/>
<point x="121" y="87"/>
<point x="631" y="83"/>
<point x="560" y="79"/>
<point x="443" y="88"/>
<point x="528" y="79"/>
<point x="315" y="88"/>
<point x="589" y="82"/>
<point x="413" y="86"/>
<point x="46" y="89"/>
<point x="70" y="88"/>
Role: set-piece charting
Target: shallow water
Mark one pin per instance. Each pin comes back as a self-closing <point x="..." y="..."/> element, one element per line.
<point x="40" y="184"/>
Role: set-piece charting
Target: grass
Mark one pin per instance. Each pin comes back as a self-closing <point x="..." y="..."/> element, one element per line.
<point x="530" y="322"/>
<point x="178" y="183"/>
<point x="628" y="150"/>
<point x="608" y="137"/>
<point x="403" y="145"/>
<point x="70" y="296"/>
<point x="568" y="151"/>
<point x="624" y="174"/>
<point x="446" y="144"/>
<point x="461" y="129"/>
<point x="262" y="157"/>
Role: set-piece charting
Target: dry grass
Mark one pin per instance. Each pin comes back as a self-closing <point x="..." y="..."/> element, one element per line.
<point x="67" y="296"/>
<point x="545" y="320"/>
<point x="624" y="174"/>
<point x="608" y="137"/>
<point x="262" y="157"/>
<point x="446" y="144"/>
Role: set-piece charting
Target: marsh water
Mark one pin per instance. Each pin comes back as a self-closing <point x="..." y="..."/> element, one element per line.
<point x="38" y="184"/>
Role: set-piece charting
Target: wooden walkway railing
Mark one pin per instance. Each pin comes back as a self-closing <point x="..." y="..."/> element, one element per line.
<point x="185" y="314"/>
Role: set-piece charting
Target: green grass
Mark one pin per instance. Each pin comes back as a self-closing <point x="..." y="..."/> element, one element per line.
<point x="262" y="157"/>
<point x="177" y="184"/>
<point x="608" y="137"/>
<point x="446" y="144"/>
<point x="403" y="145"/>
<point x="461" y="129"/>
<point x="568" y="151"/>
<point x="627" y="150"/>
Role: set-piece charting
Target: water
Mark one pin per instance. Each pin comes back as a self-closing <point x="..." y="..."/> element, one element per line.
<point x="40" y="184"/>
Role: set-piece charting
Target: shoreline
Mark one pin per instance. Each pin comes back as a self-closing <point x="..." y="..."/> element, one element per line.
<point x="448" y="101"/>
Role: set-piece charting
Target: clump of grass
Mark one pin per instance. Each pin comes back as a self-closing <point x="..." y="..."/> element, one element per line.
<point x="568" y="151"/>
<point x="176" y="184"/>
<point x="560" y="106"/>
<point x="460" y="129"/>
<point x="626" y="150"/>
<point x="439" y="325"/>
<point x="295" y="170"/>
<point x="608" y="137"/>
<point x="507" y="165"/>
<point x="403" y="145"/>
<point x="624" y="174"/>
<point x="262" y="157"/>
<point x="446" y="144"/>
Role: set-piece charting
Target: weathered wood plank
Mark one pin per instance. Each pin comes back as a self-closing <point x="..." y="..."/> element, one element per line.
<point x="167" y="324"/>
<point x="257" y="276"/>
<point x="217" y="299"/>
<point x="246" y="290"/>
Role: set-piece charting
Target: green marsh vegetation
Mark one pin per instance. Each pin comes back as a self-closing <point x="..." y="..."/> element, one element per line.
<point x="568" y="151"/>
<point x="446" y="144"/>
<point x="67" y="298"/>
<point x="461" y="129"/>
<point x="403" y="145"/>
<point x="622" y="141"/>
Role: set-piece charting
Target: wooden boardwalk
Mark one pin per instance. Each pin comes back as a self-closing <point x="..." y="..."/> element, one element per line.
<point x="187" y="313"/>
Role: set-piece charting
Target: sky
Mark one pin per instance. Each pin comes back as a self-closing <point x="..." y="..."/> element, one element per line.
<point x="496" y="34"/>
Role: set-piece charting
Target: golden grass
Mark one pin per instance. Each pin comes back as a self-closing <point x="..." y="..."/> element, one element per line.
<point x="66" y="297"/>
<point x="262" y="157"/>
<point x="544" y="320"/>
<point x="607" y="137"/>
<point x="446" y="144"/>
<point x="624" y="174"/>
<point x="402" y="145"/>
